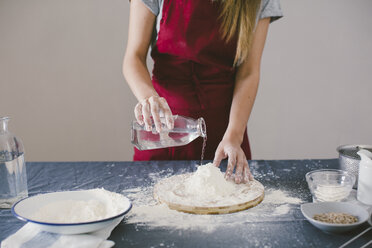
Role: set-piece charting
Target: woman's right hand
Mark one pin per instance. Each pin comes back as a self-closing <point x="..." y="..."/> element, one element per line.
<point x="152" y="108"/>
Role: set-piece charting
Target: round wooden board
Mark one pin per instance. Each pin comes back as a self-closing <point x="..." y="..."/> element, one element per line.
<point x="250" y="195"/>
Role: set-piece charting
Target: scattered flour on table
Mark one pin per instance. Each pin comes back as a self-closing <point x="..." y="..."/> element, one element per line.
<point x="279" y="197"/>
<point x="146" y="211"/>
<point x="103" y="204"/>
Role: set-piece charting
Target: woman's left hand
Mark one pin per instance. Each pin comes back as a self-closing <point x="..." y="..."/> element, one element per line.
<point x="228" y="148"/>
<point x="245" y="90"/>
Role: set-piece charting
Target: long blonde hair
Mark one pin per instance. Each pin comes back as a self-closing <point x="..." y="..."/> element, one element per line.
<point x="239" y="18"/>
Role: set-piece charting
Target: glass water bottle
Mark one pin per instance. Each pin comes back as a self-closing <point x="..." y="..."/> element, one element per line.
<point x="185" y="130"/>
<point x="13" y="177"/>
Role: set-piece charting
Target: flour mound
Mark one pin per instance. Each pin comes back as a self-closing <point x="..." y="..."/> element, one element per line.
<point x="206" y="188"/>
<point x="208" y="181"/>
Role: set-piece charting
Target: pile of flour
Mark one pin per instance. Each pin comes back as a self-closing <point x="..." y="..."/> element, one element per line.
<point x="207" y="182"/>
<point x="206" y="187"/>
<point x="103" y="204"/>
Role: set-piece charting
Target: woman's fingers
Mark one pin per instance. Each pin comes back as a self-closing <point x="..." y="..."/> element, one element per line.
<point x="247" y="174"/>
<point x="146" y="115"/>
<point x="236" y="160"/>
<point x="231" y="162"/>
<point x="240" y="164"/>
<point x="154" y="107"/>
<point x="148" y="112"/>
<point x="219" y="156"/>
<point x="167" y="112"/>
<point x="138" y="113"/>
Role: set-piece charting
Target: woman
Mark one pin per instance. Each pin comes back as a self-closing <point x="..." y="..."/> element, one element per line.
<point x="207" y="58"/>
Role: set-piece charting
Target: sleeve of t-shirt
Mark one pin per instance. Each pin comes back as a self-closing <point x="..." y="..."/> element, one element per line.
<point x="153" y="5"/>
<point x="270" y="8"/>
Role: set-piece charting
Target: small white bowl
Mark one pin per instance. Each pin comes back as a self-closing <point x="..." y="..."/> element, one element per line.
<point x="25" y="208"/>
<point x="329" y="185"/>
<point x="310" y="209"/>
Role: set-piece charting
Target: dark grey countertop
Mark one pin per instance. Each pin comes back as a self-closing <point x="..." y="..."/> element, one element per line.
<point x="290" y="229"/>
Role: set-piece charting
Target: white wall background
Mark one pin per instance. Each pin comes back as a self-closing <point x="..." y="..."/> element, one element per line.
<point x="61" y="81"/>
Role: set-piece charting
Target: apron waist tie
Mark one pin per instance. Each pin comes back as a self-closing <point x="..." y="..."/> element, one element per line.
<point x="198" y="89"/>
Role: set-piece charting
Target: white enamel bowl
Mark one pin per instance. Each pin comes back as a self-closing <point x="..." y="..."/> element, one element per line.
<point x="25" y="209"/>
<point x="310" y="209"/>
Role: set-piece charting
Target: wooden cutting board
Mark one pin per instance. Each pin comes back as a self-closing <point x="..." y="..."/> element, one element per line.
<point x="169" y="191"/>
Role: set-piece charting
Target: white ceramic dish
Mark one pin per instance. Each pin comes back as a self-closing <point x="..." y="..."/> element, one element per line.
<point x="25" y="209"/>
<point x="310" y="209"/>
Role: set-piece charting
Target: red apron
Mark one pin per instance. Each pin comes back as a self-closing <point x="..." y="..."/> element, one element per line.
<point x="193" y="71"/>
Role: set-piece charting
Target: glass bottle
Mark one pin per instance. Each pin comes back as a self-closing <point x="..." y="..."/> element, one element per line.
<point x="185" y="130"/>
<point x="13" y="177"/>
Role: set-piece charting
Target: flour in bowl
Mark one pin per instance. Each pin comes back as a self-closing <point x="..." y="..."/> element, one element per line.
<point x="103" y="204"/>
<point x="324" y="193"/>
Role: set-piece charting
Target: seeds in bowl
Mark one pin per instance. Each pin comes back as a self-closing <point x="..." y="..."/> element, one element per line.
<point x="336" y="218"/>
